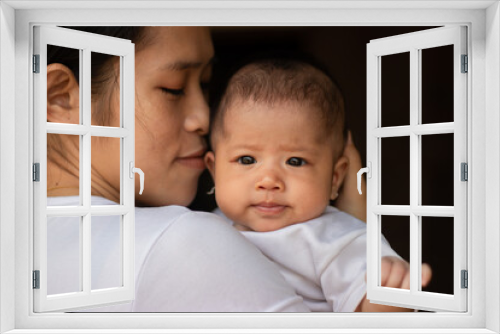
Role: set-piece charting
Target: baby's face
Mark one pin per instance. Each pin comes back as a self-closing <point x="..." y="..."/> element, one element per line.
<point x="273" y="166"/>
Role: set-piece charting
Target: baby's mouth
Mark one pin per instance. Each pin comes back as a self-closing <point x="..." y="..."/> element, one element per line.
<point x="269" y="208"/>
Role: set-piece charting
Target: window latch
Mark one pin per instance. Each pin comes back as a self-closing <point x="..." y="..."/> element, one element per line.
<point x="133" y="170"/>
<point x="368" y="171"/>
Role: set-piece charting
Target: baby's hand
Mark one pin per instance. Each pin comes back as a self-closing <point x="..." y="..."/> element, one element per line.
<point x="395" y="274"/>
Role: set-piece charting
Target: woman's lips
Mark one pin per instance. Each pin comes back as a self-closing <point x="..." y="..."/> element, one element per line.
<point x="269" y="208"/>
<point x="193" y="160"/>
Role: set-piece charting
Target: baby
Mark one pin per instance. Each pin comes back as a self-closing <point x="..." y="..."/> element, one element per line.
<point x="277" y="137"/>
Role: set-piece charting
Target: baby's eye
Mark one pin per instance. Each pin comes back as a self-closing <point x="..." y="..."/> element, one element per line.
<point x="175" y="92"/>
<point x="246" y="160"/>
<point x="296" y="162"/>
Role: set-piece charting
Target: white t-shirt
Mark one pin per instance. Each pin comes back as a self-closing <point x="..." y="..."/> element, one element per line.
<point x="185" y="261"/>
<point x="324" y="259"/>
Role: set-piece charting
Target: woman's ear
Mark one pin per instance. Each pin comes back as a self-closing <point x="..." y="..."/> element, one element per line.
<point x="63" y="95"/>
<point x="339" y="173"/>
<point x="210" y="163"/>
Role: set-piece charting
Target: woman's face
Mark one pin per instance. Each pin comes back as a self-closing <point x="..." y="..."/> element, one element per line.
<point x="172" y="71"/>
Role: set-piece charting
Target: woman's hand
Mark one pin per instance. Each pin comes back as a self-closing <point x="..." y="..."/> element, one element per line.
<point x="349" y="200"/>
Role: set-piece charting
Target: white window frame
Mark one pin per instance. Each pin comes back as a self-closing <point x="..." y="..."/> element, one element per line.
<point x="85" y="44"/>
<point x="414" y="44"/>
<point x="483" y="21"/>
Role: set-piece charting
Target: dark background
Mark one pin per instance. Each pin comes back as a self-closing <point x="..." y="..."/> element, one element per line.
<point x="343" y="51"/>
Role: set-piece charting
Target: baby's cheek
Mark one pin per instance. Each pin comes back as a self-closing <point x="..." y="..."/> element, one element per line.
<point x="314" y="198"/>
<point x="228" y="201"/>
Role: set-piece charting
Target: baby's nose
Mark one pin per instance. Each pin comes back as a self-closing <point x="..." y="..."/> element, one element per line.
<point x="270" y="181"/>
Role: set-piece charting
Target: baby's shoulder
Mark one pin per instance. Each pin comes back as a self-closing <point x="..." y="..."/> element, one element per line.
<point x="334" y="221"/>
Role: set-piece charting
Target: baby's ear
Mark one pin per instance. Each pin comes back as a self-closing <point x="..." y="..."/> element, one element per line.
<point x="339" y="173"/>
<point x="210" y="163"/>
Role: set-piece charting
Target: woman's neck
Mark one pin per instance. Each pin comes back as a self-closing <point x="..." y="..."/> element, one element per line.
<point x="64" y="180"/>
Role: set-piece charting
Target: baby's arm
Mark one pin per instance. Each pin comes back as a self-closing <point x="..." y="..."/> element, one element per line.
<point x="395" y="274"/>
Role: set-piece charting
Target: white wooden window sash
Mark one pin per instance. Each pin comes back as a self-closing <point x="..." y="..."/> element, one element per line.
<point x="85" y="43"/>
<point x="414" y="43"/>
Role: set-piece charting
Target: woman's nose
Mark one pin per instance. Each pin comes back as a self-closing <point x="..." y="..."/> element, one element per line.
<point x="197" y="115"/>
<point x="270" y="181"/>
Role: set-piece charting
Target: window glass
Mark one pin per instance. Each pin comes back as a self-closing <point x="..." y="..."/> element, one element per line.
<point x="437" y="169"/>
<point x="63" y="161"/>
<point x="396" y="230"/>
<point x="66" y="264"/>
<point x="105" y="88"/>
<point x="395" y="170"/>
<point x="108" y="170"/>
<point x="395" y="86"/>
<point x="437" y="84"/>
<point x="106" y="239"/>
<point x="437" y="251"/>
<point x="57" y="100"/>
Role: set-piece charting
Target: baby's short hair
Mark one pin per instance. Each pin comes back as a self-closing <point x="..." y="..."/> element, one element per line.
<point x="283" y="79"/>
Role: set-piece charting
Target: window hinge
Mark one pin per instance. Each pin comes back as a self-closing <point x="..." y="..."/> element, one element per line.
<point x="465" y="279"/>
<point x="36" y="172"/>
<point x="36" y="63"/>
<point x="36" y="279"/>
<point x="464" y="171"/>
<point x="465" y="64"/>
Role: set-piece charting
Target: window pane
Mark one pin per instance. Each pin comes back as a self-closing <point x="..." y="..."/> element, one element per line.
<point x="437" y="251"/>
<point x="396" y="230"/>
<point x="106" y="176"/>
<point x="105" y="88"/>
<point x="61" y="108"/>
<point x="437" y="170"/>
<point x="437" y="84"/>
<point x="63" y="255"/>
<point x="395" y="170"/>
<point x="63" y="167"/>
<point x="106" y="252"/>
<point x="395" y="98"/>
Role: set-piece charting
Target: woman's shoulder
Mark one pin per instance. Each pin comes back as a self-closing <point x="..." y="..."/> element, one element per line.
<point x="176" y="221"/>
<point x="174" y="214"/>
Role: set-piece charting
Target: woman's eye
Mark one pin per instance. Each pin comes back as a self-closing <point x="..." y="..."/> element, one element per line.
<point x="296" y="162"/>
<point x="246" y="160"/>
<point x="175" y="92"/>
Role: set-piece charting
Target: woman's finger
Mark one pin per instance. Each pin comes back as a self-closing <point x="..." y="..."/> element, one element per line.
<point x="385" y="268"/>
<point x="406" y="281"/>
<point x="426" y="274"/>
<point x="398" y="273"/>
<point x="349" y="200"/>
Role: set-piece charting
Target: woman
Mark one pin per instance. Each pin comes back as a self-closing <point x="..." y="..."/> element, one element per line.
<point x="185" y="261"/>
